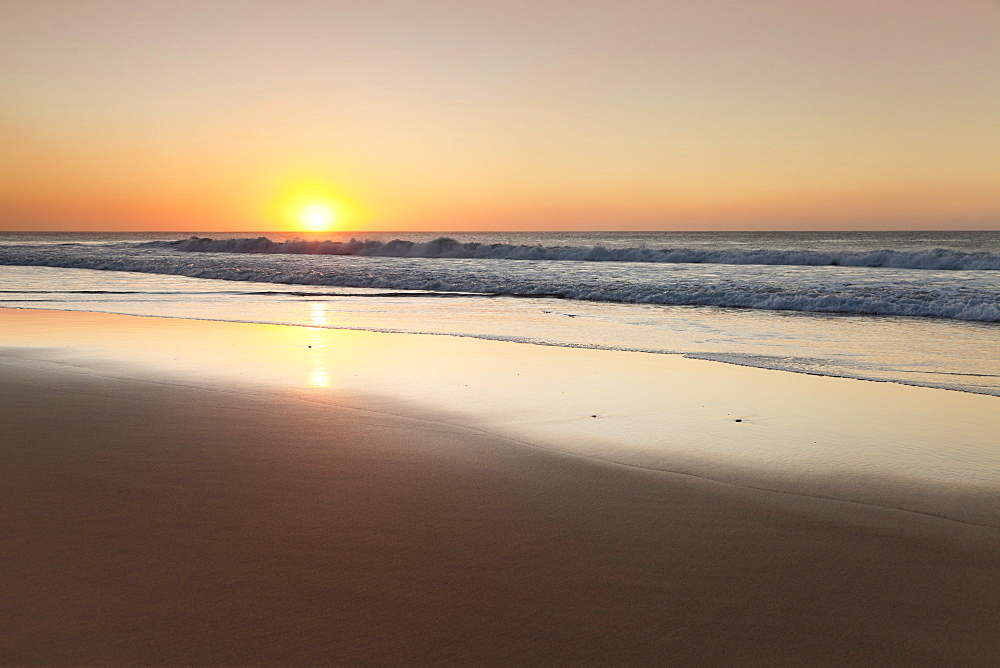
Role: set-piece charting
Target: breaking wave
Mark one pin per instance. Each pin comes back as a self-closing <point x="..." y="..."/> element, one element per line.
<point x="444" y="247"/>
<point x="888" y="291"/>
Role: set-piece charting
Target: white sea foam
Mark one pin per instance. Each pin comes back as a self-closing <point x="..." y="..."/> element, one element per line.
<point x="444" y="247"/>
<point x="963" y="295"/>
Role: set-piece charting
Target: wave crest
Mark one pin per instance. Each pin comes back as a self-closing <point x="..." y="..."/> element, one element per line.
<point x="444" y="247"/>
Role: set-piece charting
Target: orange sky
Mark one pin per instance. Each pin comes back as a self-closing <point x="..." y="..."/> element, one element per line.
<point x="521" y="114"/>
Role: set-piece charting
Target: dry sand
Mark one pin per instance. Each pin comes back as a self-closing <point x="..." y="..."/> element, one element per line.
<point x="156" y="517"/>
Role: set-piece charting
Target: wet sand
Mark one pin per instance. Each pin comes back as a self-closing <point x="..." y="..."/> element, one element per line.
<point x="153" y="514"/>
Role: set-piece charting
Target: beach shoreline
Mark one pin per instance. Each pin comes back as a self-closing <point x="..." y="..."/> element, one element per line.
<point x="166" y="515"/>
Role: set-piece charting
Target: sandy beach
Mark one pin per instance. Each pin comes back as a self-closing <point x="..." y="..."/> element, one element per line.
<point x="167" y="501"/>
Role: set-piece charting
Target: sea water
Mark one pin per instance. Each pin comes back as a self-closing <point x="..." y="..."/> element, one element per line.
<point x="921" y="308"/>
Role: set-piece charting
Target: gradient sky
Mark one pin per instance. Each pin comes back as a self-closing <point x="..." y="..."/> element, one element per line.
<point x="533" y="114"/>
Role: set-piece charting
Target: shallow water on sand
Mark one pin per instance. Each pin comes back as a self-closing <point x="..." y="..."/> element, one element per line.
<point x="944" y="353"/>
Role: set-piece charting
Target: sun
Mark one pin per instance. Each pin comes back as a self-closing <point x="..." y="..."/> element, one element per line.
<point x="307" y="204"/>
<point x="317" y="217"/>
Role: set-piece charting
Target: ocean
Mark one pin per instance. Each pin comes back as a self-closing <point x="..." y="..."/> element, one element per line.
<point x="919" y="308"/>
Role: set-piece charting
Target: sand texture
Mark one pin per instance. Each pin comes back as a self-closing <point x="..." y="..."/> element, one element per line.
<point x="152" y="520"/>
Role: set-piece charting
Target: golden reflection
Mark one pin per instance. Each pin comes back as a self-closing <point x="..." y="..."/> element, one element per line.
<point x="319" y="379"/>
<point x="317" y="314"/>
<point x="318" y="374"/>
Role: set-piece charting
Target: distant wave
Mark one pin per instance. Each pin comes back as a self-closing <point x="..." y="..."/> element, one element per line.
<point x="443" y="247"/>
<point x="276" y="293"/>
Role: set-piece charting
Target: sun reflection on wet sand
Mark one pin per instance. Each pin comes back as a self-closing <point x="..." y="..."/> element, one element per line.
<point x="776" y="429"/>
<point x="318" y="376"/>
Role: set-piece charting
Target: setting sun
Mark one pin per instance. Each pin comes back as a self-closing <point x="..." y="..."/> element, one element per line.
<point x="304" y="203"/>
<point x="317" y="217"/>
